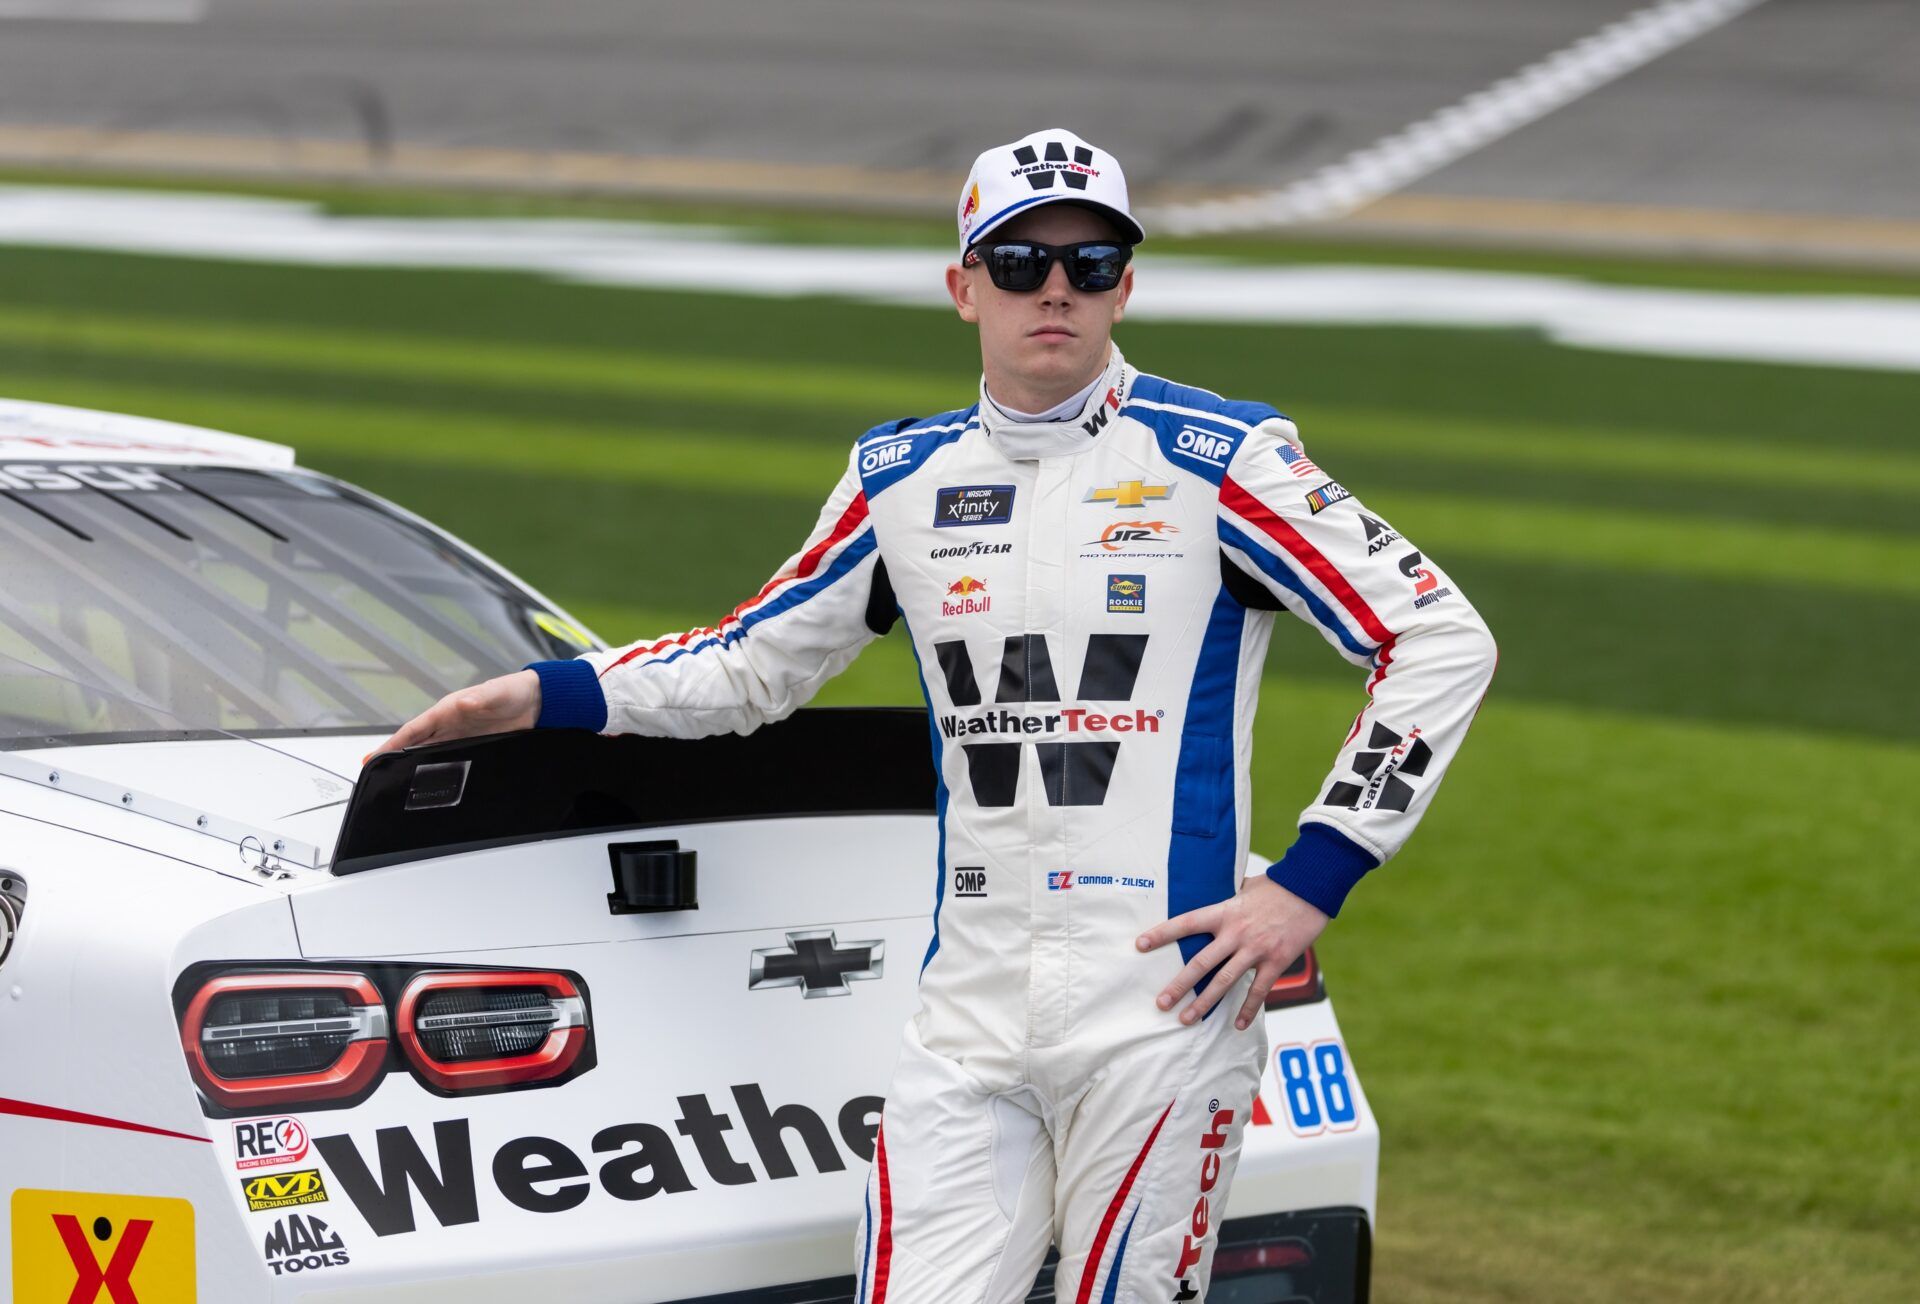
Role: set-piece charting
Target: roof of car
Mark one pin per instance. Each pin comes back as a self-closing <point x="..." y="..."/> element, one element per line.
<point x="45" y="432"/>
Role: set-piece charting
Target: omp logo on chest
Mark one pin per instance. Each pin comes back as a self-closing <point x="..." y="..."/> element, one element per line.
<point x="1075" y="769"/>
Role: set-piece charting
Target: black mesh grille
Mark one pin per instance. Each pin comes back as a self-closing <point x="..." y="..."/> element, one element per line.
<point x="482" y="1041"/>
<point x="288" y="1048"/>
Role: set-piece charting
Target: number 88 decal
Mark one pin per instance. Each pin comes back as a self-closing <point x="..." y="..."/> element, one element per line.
<point x="1313" y="1079"/>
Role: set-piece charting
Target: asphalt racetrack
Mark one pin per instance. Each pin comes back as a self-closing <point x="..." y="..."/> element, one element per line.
<point x="1632" y="1005"/>
<point x="1799" y="106"/>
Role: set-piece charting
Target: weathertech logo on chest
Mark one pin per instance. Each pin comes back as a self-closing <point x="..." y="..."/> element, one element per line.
<point x="1075" y="770"/>
<point x="1040" y="171"/>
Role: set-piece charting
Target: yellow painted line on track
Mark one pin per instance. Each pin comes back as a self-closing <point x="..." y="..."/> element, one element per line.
<point x="1450" y="524"/>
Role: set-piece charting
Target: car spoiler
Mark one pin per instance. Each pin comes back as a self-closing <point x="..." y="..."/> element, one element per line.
<point x="548" y="783"/>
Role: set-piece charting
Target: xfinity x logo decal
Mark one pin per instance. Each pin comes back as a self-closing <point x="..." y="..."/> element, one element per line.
<point x="813" y="959"/>
<point x="1075" y="773"/>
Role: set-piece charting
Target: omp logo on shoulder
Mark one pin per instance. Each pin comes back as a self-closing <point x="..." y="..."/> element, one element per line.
<point x="1209" y="446"/>
<point x="885" y="454"/>
<point x="77" y="1247"/>
<point x="283" y="1190"/>
<point x="82" y="476"/>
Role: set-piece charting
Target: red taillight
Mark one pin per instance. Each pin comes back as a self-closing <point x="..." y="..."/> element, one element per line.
<point x="259" y="1039"/>
<point x="1230" y="1260"/>
<point x="1301" y="984"/>
<point x="468" y="1029"/>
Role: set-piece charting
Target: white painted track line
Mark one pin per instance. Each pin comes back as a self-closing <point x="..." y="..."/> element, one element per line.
<point x="1461" y="129"/>
<point x="106" y="11"/>
<point x="1833" y="330"/>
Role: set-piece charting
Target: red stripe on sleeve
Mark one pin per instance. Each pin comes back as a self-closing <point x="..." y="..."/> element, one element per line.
<point x="850" y="520"/>
<point x="1252" y="509"/>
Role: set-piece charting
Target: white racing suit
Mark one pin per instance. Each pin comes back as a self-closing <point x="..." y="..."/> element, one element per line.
<point x="1090" y="602"/>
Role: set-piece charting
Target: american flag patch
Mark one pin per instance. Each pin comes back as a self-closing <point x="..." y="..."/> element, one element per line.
<point x="1298" y="462"/>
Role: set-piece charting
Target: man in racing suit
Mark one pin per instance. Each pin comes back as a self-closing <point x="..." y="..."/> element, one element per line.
<point x="1086" y="561"/>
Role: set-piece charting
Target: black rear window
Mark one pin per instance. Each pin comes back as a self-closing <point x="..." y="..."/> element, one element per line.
<point x="144" y="600"/>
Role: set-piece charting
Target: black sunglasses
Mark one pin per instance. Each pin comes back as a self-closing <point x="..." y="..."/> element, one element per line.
<point x="1023" y="265"/>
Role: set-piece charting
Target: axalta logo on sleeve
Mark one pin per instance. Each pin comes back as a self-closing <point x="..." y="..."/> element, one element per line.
<point x="1068" y="719"/>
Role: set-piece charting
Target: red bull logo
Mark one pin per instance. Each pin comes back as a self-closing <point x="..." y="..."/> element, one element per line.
<point x="972" y="595"/>
<point x="970" y="209"/>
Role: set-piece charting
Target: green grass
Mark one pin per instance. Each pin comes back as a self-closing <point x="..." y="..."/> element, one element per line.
<point x="1634" y="1008"/>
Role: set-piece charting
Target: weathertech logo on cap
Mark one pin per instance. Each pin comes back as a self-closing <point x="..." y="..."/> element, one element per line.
<point x="1049" y="166"/>
<point x="1040" y="172"/>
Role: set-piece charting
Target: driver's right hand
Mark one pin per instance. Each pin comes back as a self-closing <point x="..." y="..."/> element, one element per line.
<point x="497" y="706"/>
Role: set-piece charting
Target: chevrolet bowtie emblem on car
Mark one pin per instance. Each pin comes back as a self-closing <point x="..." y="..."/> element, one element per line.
<point x="813" y="959"/>
<point x="1130" y="493"/>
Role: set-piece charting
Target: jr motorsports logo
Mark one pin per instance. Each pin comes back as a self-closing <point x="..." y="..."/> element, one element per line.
<point x="1040" y="167"/>
<point x="1389" y="761"/>
<point x="77" y="1247"/>
<point x="1136" y="539"/>
<point x="1076" y="761"/>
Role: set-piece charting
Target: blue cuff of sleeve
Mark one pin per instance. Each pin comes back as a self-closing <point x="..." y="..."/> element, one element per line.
<point x="1322" y="866"/>
<point x="570" y="696"/>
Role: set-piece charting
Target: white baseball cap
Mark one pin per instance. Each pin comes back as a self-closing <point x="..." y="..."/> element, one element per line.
<point x="1053" y="166"/>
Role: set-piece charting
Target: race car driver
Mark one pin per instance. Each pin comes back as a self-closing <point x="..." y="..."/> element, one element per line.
<point x="1086" y="560"/>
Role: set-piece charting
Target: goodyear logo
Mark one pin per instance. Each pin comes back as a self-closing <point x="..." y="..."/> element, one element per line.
<point x="1126" y="593"/>
<point x="81" y="1247"/>
<point x="283" y="1190"/>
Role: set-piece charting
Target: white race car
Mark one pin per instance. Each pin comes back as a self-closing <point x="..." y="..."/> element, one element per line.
<point x="542" y="1016"/>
